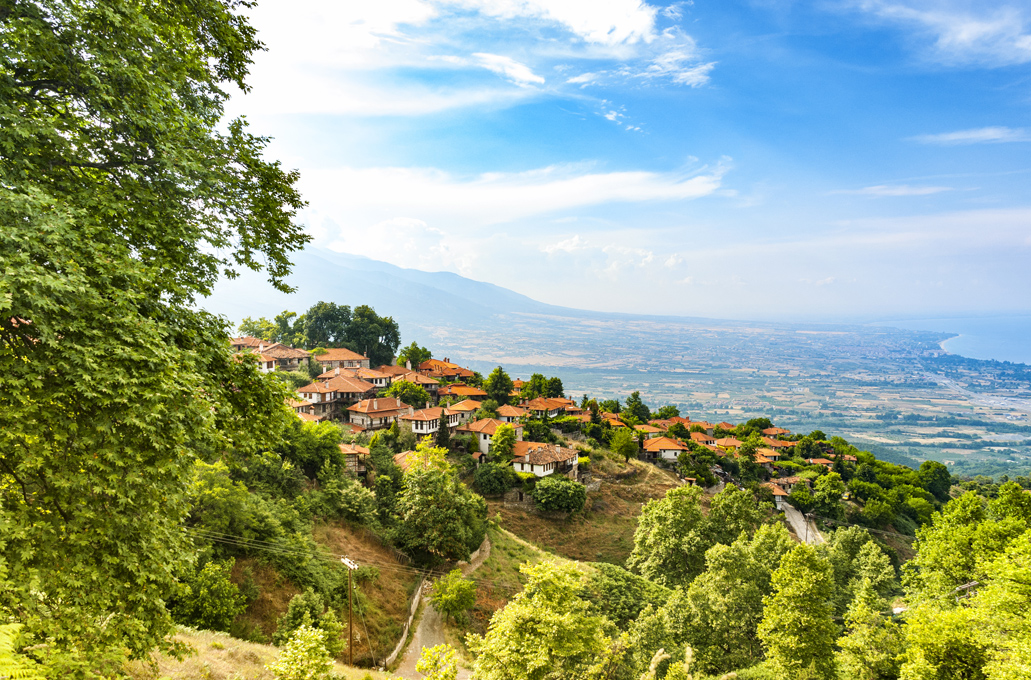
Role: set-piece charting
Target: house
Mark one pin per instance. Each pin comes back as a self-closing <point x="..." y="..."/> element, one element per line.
<point x="485" y="428"/>
<point x="544" y="405"/>
<point x="661" y="424"/>
<point x="780" y="496"/>
<point x="266" y="363"/>
<point x="728" y="443"/>
<point x="704" y="439"/>
<point x="769" y="454"/>
<point x="377" y="413"/>
<point x="776" y="432"/>
<point x="304" y="410"/>
<point x="429" y="384"/>
<point x="405" y="460"/>
<point x="777" y="443"/>
<point x="510" y="414"/>
<point x="727" y="426"/>
<point x="663" y="447"/>
<point x="380" y="380"/>
<point x="821" y="461"/>
<point x="425" y="421"/>
<point x="246" y="342"/>
<point x="354" y="457"/>
<point x="330" y="394"/>
<point x="444" y="370"/>
<point x="789" y="483"/>
<point x="466" y="409"/>
<point x="393" y="370"/>
<point x="649" y="431"/>
<point x="287" y="358"/>
<point x="545" y="459"/>
<point x="461" y="390"/>
<point x="341" y="357"/>
<point x="764" y="461"/>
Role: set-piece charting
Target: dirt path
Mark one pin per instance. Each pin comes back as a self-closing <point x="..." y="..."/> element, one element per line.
<point x="430" y="631"/>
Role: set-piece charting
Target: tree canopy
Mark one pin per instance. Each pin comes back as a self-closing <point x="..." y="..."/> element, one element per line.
<point x="123" y="197"/>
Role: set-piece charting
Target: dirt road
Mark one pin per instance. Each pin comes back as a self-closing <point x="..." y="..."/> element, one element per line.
<point x="430" y="631"/>
<point x="805" y="530"/>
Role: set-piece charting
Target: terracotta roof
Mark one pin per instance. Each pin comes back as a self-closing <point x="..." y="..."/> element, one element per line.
<point x="466" y="406"/>
<point x="545" y="404"/>
<point x="664" y="424"/>
<point x="616" y="423"/>
<point x="418" y="379"/>
<point x="727" y="426"/>
<point x="356" y="372"/>
<point x="404" y="459"/>
<point x="436" y="365"/>
<point x="510" y="411"/>
<point x="340" y="354"/>
<point x="393" y="369"/>
<point x="647" y="429"/>
<point x="315" y="387"/>
<point x="459" y="390"/>
<point x="309" y="417"/>
<point x="281" y="351"/>
<point x="342" y="383"/>
<point x="296" y="403"/>
<point x="728" y="443"/>
<point x="536" y="453"/>
<point x="379" y="405"/>
<point x="819" y="461"/>
<point x="248" y="341"/>
<point x="663" y="444"/>
<point x="353" y="450"/>
<point x="769" y="453"/>
<point x="777" y="491"/>
<point x="702" y="438"/>
<point x="777" y="444"/>
<point x="788" y="480"/>
<point x="775" y="431"/>
<point x="426" y="414"/>
<point x="486" y="426"/>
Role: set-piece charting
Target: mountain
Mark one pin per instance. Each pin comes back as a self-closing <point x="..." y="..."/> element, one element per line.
<point x="412" y="297"/>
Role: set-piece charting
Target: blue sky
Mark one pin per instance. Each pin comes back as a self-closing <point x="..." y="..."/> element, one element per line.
<point x="822" y="160"/>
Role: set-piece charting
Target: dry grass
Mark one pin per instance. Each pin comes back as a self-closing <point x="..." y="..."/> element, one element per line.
<point x="388" y="595"/>
<point x="605" y="532"/>
<point x="221" y="657"/>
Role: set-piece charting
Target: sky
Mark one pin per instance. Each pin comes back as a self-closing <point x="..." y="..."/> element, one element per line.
<point x="826" y="160"/>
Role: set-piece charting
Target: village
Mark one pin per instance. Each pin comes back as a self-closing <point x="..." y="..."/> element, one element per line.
<point x="359" y="398"/>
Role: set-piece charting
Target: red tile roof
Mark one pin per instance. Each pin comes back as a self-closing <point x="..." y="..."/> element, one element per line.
<point x="340" y="354"/>
<point x="353" y="450"/>
<point x="510" y="411"/>
<point x="426" y="414"/>
<point x="342" y="383"/>
<point x="663" y="444"/>
<point x="379" y="405"/>
<point x="536" y="453"/>
<point x="459" y="390"/>
<point x="487" y="426"/>
<point x="466" y="406"/>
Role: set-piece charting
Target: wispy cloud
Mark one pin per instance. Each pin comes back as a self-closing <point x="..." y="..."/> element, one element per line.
<point x="509" y="68"/>
<point x="961" y="33"/>
<point x="985" y="135"/>
<point x="607" y="23"/>
<point x="894" y="190"/>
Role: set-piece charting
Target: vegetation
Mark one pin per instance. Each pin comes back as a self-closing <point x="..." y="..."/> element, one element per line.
<point x="452" y="594"/>
<point x="559" y="494"/>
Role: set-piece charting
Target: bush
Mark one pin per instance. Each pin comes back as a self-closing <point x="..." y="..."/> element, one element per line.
<point x="528" y="479"/>
<point x="584" y="462"/>
<point x="494" y="479"/>
<point x="452" y="594"/>
<point x="559" y="494"/>
<point x="304" y="658"/>
<point x="213" y="600"/>
<point x="306" y="610"/>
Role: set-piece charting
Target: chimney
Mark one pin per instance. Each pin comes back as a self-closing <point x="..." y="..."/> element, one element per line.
<point x="408" y="364"/>
<point x="338" y="370"/>
<point x="261" y="347"/>
<point x="375" y="404"/>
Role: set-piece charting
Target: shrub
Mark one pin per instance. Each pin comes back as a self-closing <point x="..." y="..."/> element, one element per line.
<point x="213" y="600"/>
<point x="452" y="594"/>
<point x="304" y="657"/>
<point x="558" y="494"/>
<point x="493" y="479"/>
<point x="584" y="462"/>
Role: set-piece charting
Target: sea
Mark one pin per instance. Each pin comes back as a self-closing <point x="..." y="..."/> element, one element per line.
<point x="1002" y="338"/>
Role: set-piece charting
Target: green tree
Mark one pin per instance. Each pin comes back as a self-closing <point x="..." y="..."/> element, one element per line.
<point x="872" y="645"/>
<point x="554" y="388"/>
<point x="637" y="408"/>
<point x="725" y="602"/>
<point x="733" y="511"/>
<point x="375" y="336"/>
<point x="797" y="629"/>
<point x="261" y="328"/>
<point x="13" y="664"/>
<point x="415" y="354"/>
<point x="409" y="393"/>
<point x="545" y="631"/>
<point x="309" y="609"/>
<point x="439" y="517"/>
<point x="827" y="493"/>
<point x="536" y="386"/>
<point x="623" y="443"/>
<point x="443" y="436"/>
<point x="498" y="386"/>
<point x="494" y="479"/>
<point x="288" y="331"/>
<point x="304" y="657"/>
<point x="502" y="443"/>
<point x="213" y="601"/>
<point x="438" y="663"/>
<point x="666" y="412"/>
<point x="453" y="594"/>
<point x="935" y="477"/>
<point x="124" y="195"/>
<point x="671" y="538"/>
<point x="325" y="324"/>
<point x="559" y="494"/>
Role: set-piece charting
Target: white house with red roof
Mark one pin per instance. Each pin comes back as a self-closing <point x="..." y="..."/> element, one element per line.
<point x="377" y="413"/>
<point x="663" y="447"/>
<point x="341" y="357"/>
<point x="425" y="421"/>
<point x="545" y="459"/>
<point x="484" y="430"/>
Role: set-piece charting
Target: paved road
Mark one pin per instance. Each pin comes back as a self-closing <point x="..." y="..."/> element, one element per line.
<point x="810" y="534"/>
<point x="430" y="631"/>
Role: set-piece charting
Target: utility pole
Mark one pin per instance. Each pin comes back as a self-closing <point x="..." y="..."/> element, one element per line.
<point x="351" y="566"/>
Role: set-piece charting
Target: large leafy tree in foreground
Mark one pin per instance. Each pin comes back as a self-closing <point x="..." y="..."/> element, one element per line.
<point x="122" y="199"/>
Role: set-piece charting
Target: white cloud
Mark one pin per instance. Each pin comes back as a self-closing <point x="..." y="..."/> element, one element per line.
<point x="605" y="22"/>
<point x="895" y="190"/>
<point x="568" y="245"/>
<point x="368" y="195"/>
<point x="520" y="74"/>
<point x="985" y="135"/>
<point x="962" y="32"/>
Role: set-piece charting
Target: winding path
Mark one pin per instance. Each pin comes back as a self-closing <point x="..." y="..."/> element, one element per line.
<point x="430" y="631"/>
<point x="804" y="529"/>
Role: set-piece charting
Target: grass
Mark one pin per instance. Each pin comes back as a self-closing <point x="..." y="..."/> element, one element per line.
<point x="605" y="531"/>
<point x="221" y="657"/>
